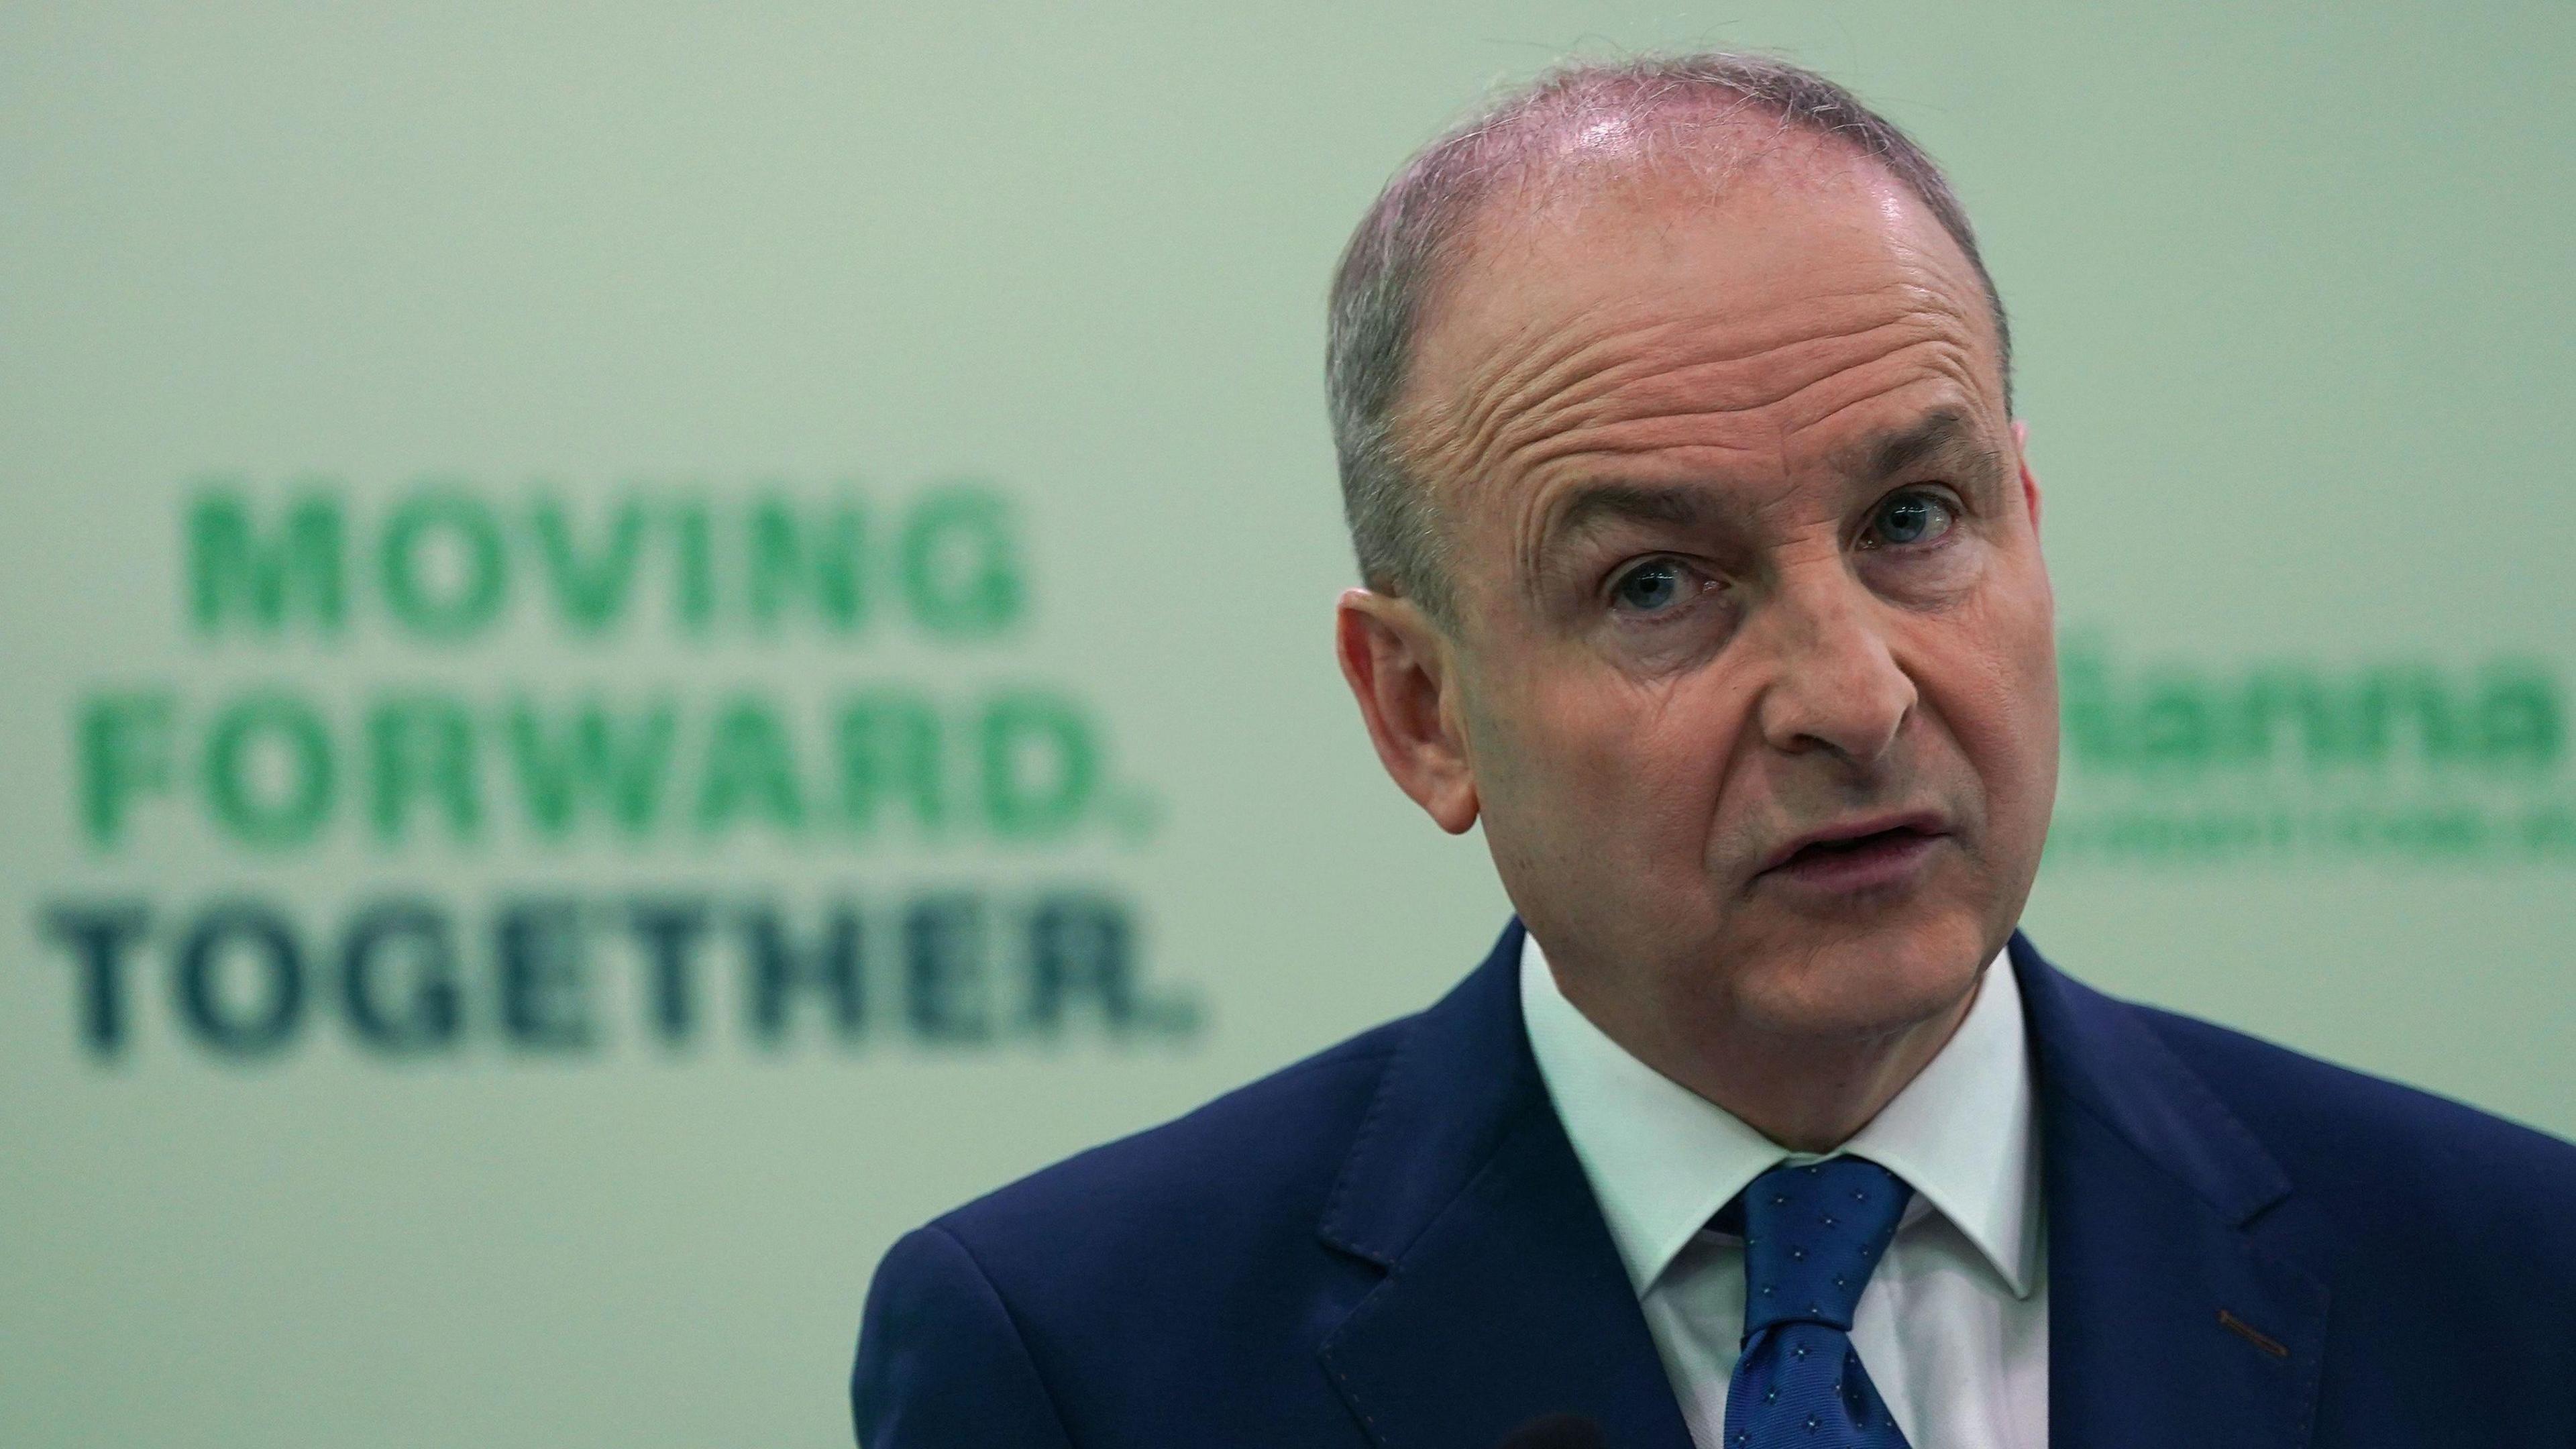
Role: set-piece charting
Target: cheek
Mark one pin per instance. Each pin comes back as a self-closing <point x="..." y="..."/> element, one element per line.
<point x="1596" y="764"/>
<point x="1997" y="693"/>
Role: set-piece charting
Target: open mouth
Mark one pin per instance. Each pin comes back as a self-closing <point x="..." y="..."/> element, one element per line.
<point x="1859" y="844"/>
<point x="1860" y="861"/>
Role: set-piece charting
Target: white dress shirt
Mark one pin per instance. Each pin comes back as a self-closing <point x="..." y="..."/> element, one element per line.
<point x="1952" y="1328"/>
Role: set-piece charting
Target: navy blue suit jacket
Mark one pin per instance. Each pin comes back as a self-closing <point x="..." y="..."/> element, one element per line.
<point x="1392" y="1244"/>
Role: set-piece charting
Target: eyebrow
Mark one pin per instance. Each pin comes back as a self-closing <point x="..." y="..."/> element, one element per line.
<point x="1938" y="432"/>
<point x="1593" y="505"/>
<point x="1597" y="503"/>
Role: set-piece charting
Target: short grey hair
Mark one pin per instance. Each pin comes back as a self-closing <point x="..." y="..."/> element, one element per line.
<point x="1394" y="259"/>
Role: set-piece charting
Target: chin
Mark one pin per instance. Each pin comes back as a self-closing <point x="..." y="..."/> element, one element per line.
<point x="1859" y="981"/>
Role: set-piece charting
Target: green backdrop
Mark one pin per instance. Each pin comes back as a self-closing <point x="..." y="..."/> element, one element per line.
<point x="645" y="643"/>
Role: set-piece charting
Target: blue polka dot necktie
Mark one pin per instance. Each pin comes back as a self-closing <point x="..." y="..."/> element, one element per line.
<point x="1812" y="1236"/>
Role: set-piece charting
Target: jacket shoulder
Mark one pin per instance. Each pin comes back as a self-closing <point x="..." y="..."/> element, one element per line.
<point x="1259" y="1161"/>
<point x="2387" y="1158"/>
<point x="1019" y="1317"/>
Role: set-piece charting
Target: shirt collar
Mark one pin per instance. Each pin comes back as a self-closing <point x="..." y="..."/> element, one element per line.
<point x="1662" y="1159"/>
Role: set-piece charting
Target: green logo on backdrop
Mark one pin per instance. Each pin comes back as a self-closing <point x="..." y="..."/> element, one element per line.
<point x="2407" y="760"/>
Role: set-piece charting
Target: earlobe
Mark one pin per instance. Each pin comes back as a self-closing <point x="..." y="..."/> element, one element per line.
<point x="1451" y="802"/>
<point x="1398" y="667"/>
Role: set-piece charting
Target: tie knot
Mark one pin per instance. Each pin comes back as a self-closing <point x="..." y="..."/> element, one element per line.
<point x="1812" y="1237"/>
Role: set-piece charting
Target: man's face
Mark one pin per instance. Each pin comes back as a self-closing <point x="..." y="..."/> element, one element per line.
<point x="1752" y="664"/>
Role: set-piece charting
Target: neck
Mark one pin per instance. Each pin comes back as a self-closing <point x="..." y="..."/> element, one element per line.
<point x="1808" y="1093"/>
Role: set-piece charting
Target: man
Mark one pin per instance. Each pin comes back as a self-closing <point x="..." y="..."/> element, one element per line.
<point x="1703" y="570"/>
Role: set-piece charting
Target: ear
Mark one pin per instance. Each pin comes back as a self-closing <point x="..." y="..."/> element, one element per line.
<point x="2029" y="482"/>
<point x="1399" y="667"/>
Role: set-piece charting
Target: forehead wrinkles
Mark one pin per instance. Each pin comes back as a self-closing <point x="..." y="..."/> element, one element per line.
<point x="1730" y="383"/>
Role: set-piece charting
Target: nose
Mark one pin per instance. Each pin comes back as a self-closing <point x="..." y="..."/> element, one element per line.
<point x="1835" y="684"/>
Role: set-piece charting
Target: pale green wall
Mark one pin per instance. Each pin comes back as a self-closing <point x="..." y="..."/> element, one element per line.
<point x="2291" y="288"/>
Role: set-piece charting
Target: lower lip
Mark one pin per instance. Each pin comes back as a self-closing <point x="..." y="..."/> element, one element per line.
<point x="1887" y="861"/>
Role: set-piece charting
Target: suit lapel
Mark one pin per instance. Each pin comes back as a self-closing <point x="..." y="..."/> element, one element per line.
<point x="1504" y="1298"/>
<point x="2167" y="1324"/>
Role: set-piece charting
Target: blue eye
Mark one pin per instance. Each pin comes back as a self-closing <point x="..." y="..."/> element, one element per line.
<point x="1652" y="587"/>
<point x="1910" y="518"/>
